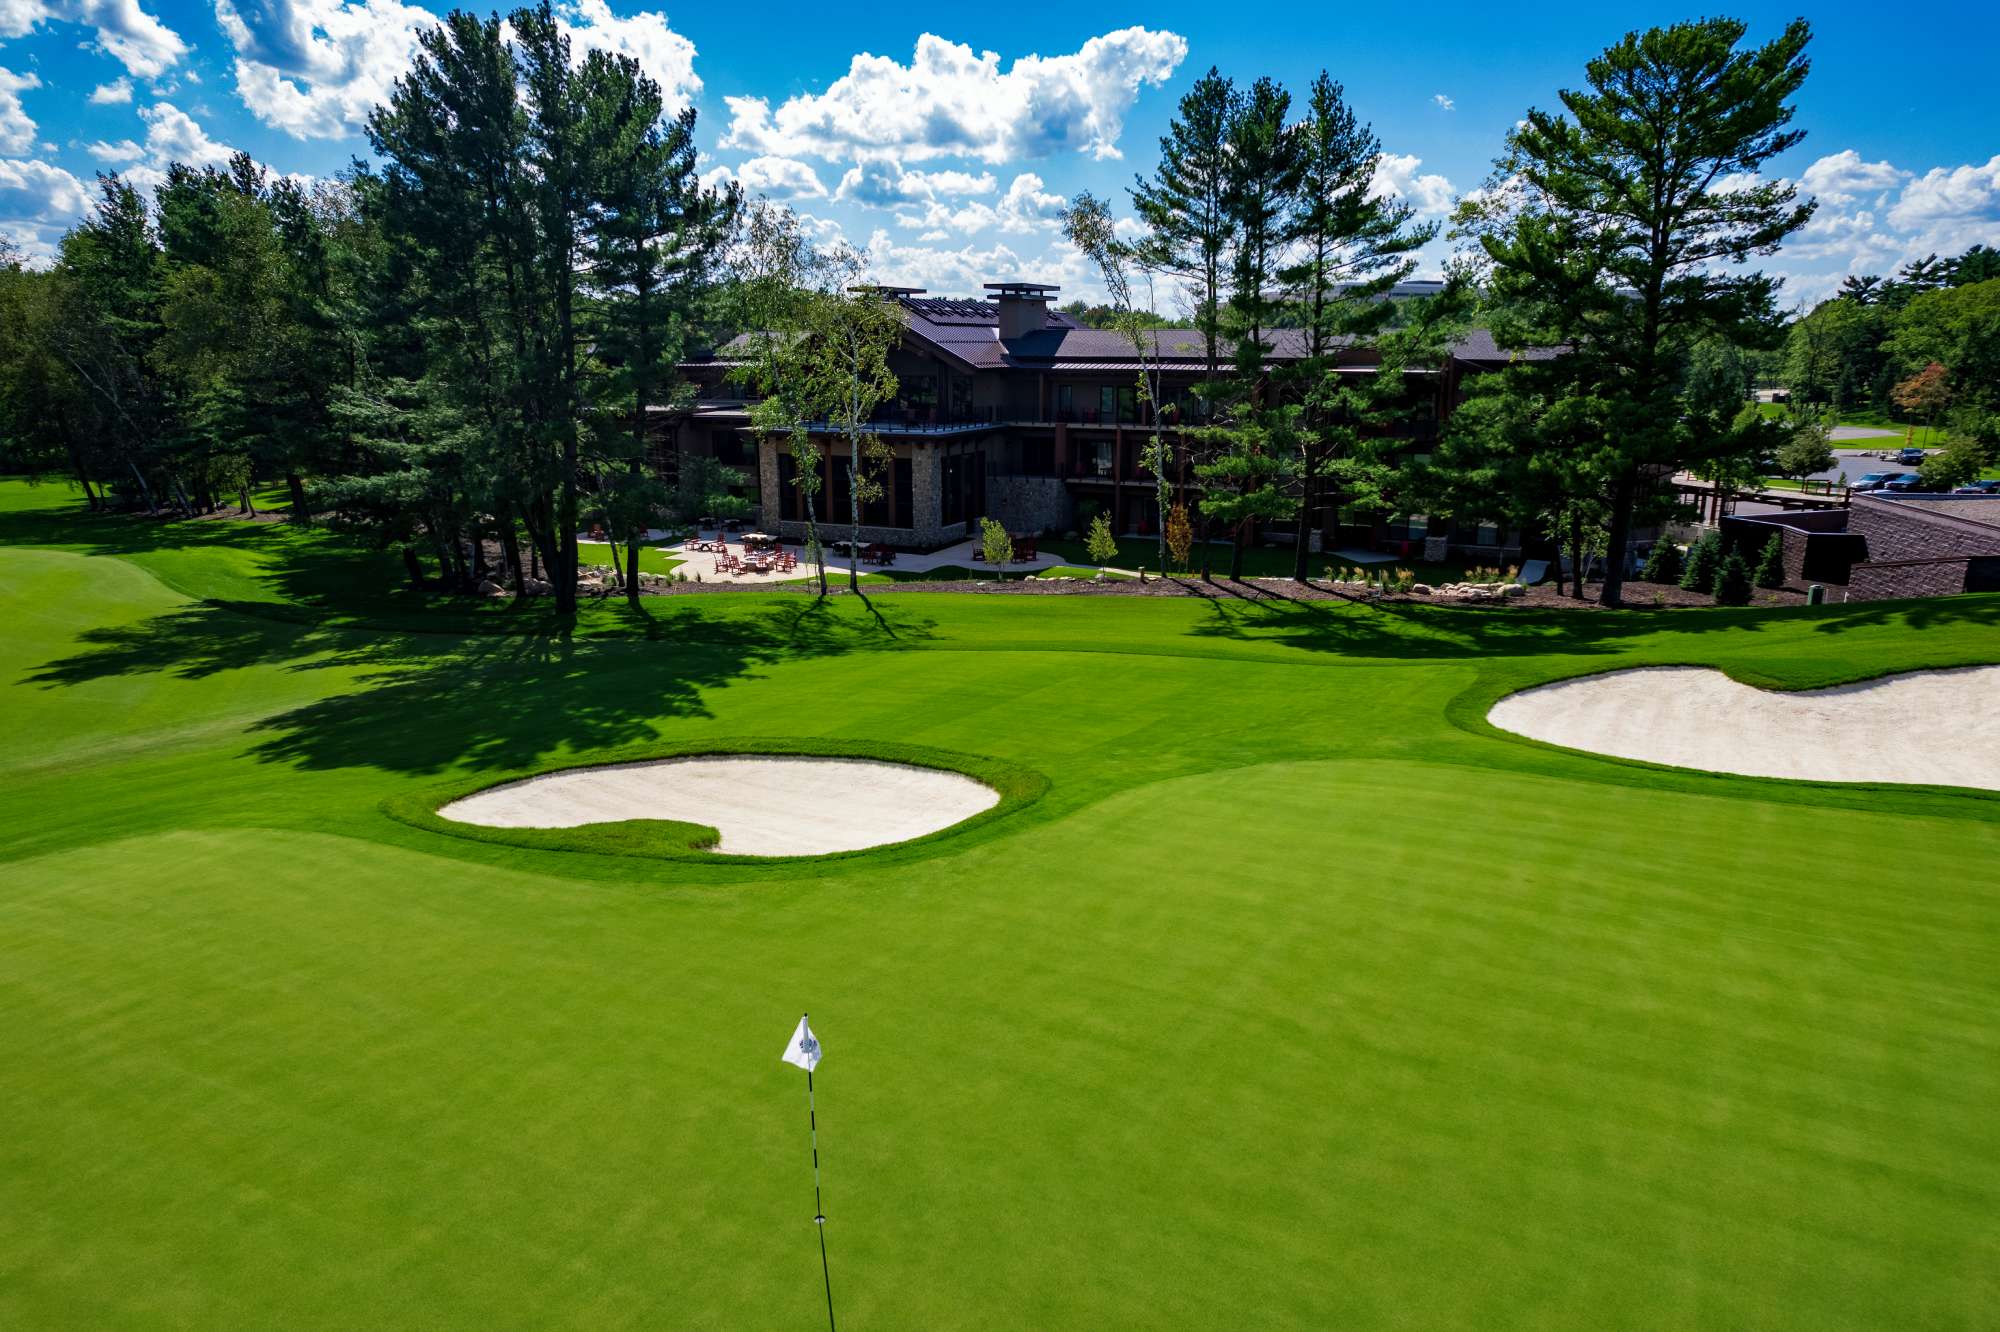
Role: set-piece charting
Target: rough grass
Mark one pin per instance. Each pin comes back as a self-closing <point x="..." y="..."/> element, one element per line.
<point x="1300" y="998"/>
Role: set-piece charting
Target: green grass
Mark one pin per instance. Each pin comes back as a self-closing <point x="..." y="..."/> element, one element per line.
<point x="651" y="558"/>
<point x="1299" y="997"/>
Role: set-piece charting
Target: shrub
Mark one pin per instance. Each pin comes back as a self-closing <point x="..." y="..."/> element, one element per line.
<point x="1771" y="564"/>
<point x="1663" y="565"/>
<point x="1702" y="557"/>
<point x="1732" y="581"/>
<point x="1101" y="545"/>
<point x="1180" y="535"/>
<point x="1405" y="579"/>
<point x="995" y="545"/>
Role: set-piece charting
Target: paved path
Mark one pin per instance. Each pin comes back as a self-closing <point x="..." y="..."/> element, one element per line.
<point x="703" y="562"/>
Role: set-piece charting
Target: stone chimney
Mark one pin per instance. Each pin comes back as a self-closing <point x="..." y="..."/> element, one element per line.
<point x="1024" y="307"/>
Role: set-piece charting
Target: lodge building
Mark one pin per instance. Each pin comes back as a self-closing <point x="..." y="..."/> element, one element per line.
<point x="1010" y="409"/>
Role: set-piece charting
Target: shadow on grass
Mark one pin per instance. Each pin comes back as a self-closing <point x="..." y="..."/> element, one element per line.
<point x="1395" y="630"/>
<point x="424" y="703"/>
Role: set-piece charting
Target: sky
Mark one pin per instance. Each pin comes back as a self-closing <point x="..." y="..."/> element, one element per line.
<point x="941" y="141"/>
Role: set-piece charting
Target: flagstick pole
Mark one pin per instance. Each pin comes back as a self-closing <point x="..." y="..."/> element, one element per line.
<point x="819" y="1212"/>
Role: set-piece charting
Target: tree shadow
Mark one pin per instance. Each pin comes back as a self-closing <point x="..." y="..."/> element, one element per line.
<point x="424" y="703"/>
<point x="1388" y="629"/>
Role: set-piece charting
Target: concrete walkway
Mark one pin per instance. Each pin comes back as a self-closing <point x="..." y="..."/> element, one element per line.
<point x="960" y="555"/>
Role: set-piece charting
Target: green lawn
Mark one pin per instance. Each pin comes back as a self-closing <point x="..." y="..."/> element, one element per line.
<point x="651" y="558"/>
<point x="1302" y="998"/>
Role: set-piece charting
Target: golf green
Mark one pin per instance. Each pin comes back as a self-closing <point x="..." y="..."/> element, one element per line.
<point x="1288" y="994"/>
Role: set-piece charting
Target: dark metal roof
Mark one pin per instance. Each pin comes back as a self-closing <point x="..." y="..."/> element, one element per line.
<point x="968" y="331"/>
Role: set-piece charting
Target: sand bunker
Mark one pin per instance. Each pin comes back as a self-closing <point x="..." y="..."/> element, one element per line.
<point x="1940" y="728"/>
<point x="762" y="806"/>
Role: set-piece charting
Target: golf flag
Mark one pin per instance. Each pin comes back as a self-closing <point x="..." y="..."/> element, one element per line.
<point x="804" y="1051"/>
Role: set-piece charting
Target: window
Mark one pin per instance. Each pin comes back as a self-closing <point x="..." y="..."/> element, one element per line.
<point x="1489" y="534"/>
<point x="919" y="391"/>
<point x="1065" y="402"/>
<point x="1107" y="404"/>
<point x="1412" y="527"/>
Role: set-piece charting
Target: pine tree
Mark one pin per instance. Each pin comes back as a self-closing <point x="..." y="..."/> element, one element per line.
<point x="1617" y="228"/>
<point x="1702" y="558"/>
<point x="1352" y="246"/>
<point x="1732" y="581"/>
<point x="1771" y="564"/>
<point x="1663" y="564"/>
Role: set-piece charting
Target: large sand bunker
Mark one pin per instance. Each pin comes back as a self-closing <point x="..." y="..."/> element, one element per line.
<point x="762" y="806"/>
<point x="1940" y="728"/>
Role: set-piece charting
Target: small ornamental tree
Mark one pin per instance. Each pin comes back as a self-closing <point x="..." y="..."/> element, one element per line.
<point x="1958" y="464"/>
<point x="1702" y="557"/>
<point x="1732" y="581"/>
<point x="995" y="546"/>
<point x="1663" y="565"/>
<point x="1771" y="564"/>
<point x="1099" y="542"/>
<point x="1180" y="536"/>
<point x="1925" y="393"/>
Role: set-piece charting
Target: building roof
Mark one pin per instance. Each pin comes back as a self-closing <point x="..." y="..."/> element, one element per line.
<point x="1974" y="510"/>
<point x="968" y="331"/>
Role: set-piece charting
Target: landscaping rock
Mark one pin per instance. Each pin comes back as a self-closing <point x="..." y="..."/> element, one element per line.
<point x="1420" y="589"/>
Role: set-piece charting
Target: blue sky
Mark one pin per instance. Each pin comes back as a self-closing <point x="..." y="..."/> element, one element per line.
<point x="940" y="139"/>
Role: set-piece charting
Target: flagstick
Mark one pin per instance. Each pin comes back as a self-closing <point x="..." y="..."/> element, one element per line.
<point x="819" y="1212"/>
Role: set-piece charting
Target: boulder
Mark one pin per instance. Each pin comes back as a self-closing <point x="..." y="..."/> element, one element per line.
<point x="1420" y="589"/>
<point x="1513" y="590"/>
<point x="489" y="588"/>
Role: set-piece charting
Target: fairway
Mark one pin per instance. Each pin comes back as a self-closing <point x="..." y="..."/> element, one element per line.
<point x="1288" y="993"/>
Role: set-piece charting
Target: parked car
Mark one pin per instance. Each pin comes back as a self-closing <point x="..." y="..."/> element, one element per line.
<point x="1877" y="480"/>
<point x="1910" y="457"/>
<point x="1905" y="483"/>
<point x="1979" y="488"/>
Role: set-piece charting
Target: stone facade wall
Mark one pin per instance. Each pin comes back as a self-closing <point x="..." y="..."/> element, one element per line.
<point x="1030" y="503"/>
<point x="1924" y="578"/>
<point x="925" y="533"/>
<point x="1815" y="549"/>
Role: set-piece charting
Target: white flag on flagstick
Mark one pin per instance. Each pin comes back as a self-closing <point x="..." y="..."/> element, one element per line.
<point x="804" y="1051"/>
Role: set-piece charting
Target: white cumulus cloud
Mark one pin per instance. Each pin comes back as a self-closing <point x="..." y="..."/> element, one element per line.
<point x="122" y="153"/>
<point x="1428" y="192"/>
<point x="316" y="68"/>
<point x="1443" y="103"/>
<point x="17" y="130"/>
<point x="882" y="183"/>
<point x="780" y="178"/>
<point x="125" y="32"/>
<point x="951" y="101"/>
<point x="115" y="93"/>
<point x="665" y="55"/>
<point x="1842" y="177"/>
<point x="37" y="202"/>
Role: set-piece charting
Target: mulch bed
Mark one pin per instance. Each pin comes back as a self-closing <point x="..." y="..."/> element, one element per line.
<point x="1638" y="595"/>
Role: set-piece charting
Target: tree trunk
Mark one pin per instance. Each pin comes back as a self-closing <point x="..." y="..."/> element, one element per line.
<point x="1617" y="538"/>
<point x="638" y="532"/>
<point x="1236" y="550"/>
<point x="1306" y="513"/>
<point x="413" y="567"/>
<point x="248" y="506"/>
<point x="1576" y="569"/>
<point x="298" y="489"/>
<point x="510" y="549"/>
<point x="854" y="507"/>
<point x="145" y="490"/>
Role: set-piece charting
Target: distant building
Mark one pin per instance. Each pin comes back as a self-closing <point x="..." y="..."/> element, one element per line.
<point x="1881" y="546"/>
<point x="1010" y="409"/>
